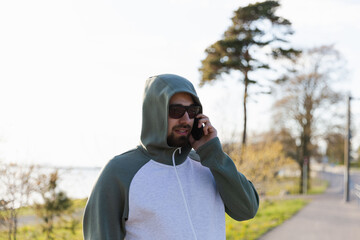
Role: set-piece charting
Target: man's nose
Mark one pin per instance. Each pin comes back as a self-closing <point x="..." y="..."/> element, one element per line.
<point x="185" y="118"/>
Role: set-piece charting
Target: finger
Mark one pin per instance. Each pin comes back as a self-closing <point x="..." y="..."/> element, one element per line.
<point x="206" y="130"/>
<point x="203" y="122"/>
<point x="202" y="116"/>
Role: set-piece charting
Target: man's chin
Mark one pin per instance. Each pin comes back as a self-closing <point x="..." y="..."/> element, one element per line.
<point x="181" y="141"/>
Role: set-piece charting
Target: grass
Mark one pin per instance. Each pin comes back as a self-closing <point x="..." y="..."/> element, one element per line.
<point x="271" y="214"/>
<point x="35" y="232"/>
<point x="290" y="185"/>
<point x="318" y="186"/>
<point x="70" y="229"/>
<point x="26" y="211"/>
<point x="355" y="165"/>
<point x="77" y="204"/>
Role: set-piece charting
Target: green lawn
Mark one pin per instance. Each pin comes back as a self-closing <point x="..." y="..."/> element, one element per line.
<point x="290" y="185"/>
<point x="271" y="214"/>
<point x="71" y="229"/>
<point x="35" y="233"/>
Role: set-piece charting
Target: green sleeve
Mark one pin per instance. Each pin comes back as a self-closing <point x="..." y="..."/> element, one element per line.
<point x="238" y="194"/>
<point x="104" y="212"/>
<point x="108" y="206"/>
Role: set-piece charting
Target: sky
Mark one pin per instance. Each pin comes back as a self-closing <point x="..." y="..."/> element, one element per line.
<point x="72" y="72"/>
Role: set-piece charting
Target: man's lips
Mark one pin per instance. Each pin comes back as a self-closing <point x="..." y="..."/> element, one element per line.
<point x="183" y="131"/>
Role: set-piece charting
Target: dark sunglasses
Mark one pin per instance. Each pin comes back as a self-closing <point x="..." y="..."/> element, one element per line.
<point x="176" y="111"/>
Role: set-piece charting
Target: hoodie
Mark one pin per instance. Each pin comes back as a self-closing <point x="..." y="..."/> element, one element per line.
<point x="160" y="192"/>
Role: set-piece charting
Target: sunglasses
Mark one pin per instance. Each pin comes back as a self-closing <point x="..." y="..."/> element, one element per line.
<point x="176" y="111"/>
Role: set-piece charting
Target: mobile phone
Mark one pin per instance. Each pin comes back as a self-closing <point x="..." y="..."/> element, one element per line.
<point x="196" y="132"/>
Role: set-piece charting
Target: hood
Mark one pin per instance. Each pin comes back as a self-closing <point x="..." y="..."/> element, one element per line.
<point x="158" y="91"/>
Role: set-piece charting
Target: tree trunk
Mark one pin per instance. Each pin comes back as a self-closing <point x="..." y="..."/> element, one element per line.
<point x="15" y="226"/>
<point x="305" y="155"/>
<point x="243" y="144"/>
<point x="245" y="111"/>
<point x="307" y="137"/>
<point x="301" y="182"/>
<point x="10" y="228"/>
<point x="11" y="224"/>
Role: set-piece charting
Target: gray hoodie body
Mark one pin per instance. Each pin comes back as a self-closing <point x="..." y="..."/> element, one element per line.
<point x="141" y="195"/>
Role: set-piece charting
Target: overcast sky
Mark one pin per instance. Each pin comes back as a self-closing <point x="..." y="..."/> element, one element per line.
<point x="72" y="72"/>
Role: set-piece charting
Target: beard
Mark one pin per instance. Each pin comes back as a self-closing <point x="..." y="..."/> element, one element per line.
<point x="178" y="141"/>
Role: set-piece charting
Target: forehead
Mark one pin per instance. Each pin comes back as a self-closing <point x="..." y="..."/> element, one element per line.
<point x="182" y="98"/>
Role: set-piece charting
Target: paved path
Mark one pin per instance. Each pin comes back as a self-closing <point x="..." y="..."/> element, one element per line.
<point x="327" y="216"/>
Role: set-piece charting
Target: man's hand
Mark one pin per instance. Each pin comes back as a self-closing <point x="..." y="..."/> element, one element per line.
<point x="209" y="132"/>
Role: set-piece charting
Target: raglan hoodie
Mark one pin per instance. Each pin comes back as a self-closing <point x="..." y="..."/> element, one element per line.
<point x="160" y="192"/>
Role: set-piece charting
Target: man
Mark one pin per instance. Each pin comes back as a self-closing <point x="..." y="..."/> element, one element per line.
<point x="162" y="190"/>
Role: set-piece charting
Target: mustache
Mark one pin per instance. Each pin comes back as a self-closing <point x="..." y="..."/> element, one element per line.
<point x="184" y="126"/>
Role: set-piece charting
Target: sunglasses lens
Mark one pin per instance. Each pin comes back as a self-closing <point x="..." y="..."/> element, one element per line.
<point x="178" y="111"/>
<point x="193" y="111"/>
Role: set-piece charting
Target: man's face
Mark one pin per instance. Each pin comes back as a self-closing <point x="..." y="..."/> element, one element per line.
<point x="179" y="130"/>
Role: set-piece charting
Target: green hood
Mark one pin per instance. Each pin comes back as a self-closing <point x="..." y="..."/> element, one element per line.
<point x="158" y="91"/>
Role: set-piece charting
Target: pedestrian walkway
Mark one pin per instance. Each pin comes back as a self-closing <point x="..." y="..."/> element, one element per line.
<point x="327" y="216"/>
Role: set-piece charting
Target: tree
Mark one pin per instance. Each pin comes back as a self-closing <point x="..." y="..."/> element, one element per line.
<point x="16" y="187"/>
<point x="335" y="147"/>
<point x="55" y="202"/>
<point x="255" y="36"/>
<point x="306" y="99"/>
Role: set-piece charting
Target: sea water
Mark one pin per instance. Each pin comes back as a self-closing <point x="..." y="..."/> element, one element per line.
<point x="78" y="182"/>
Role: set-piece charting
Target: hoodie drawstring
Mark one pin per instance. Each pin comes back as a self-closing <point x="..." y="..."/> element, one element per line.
<point x="182" y="193"/>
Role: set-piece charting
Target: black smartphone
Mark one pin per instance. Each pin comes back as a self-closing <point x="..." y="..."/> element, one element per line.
<point x="196" y="132"/>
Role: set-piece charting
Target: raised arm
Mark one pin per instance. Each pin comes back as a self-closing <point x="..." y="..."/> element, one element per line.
<point x="239" y="195"/>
